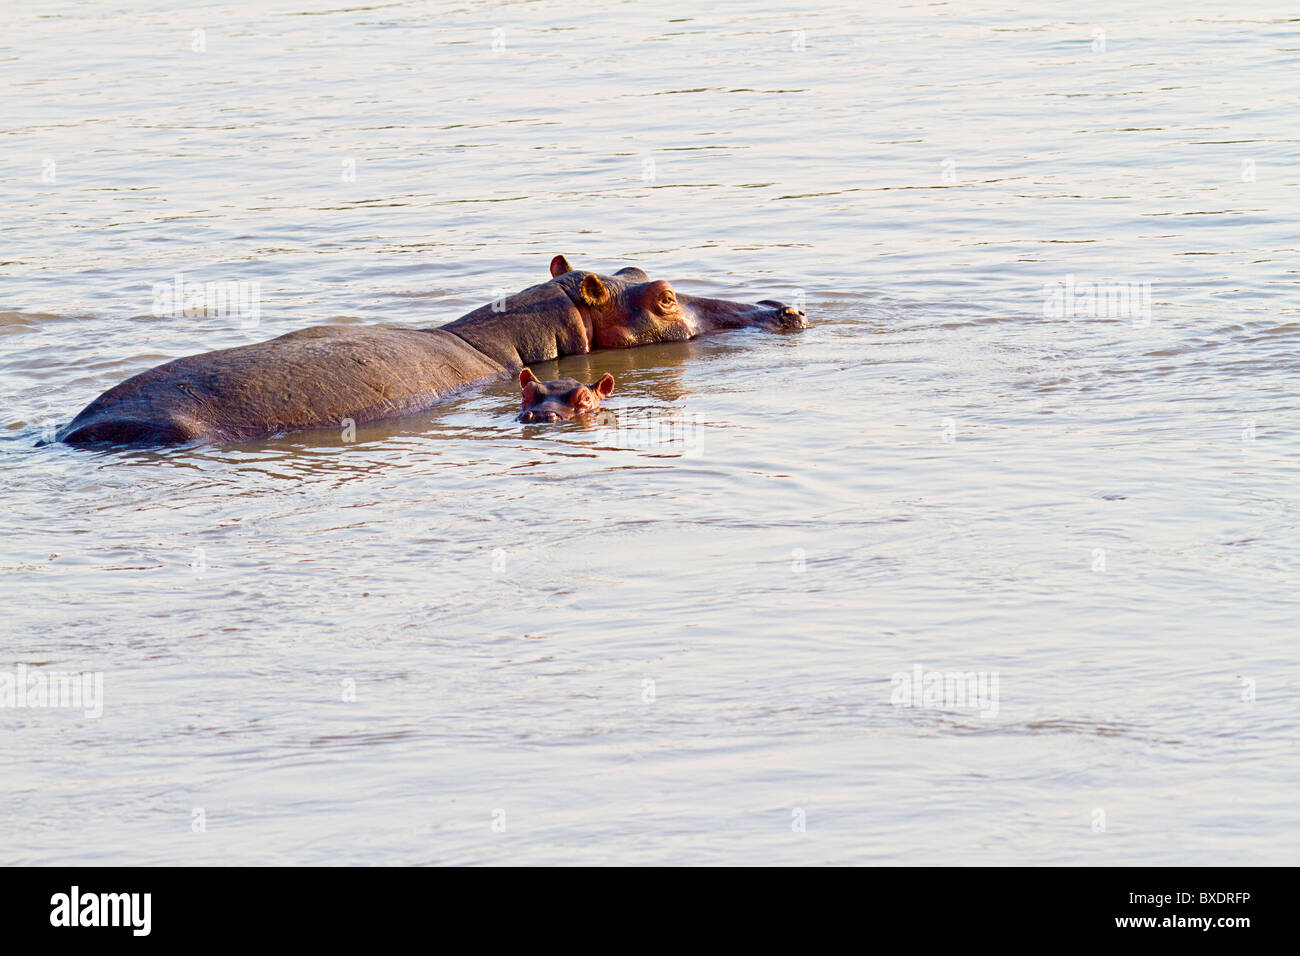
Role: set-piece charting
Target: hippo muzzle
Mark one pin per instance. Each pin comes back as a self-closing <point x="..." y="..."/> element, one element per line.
<point x="720" y="314"/>
<point x="546" y="415"/>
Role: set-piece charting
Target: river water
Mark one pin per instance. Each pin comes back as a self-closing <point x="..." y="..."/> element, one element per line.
<point x="1043" y="431"/>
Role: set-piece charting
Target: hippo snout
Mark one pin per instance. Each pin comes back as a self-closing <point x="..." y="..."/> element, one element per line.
<point x="792" y="319"/>
<point x="784" y="318"/>
<point x="537" y="416"/>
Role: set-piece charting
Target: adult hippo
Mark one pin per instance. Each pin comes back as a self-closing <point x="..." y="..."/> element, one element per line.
<point x="319" y="376"/>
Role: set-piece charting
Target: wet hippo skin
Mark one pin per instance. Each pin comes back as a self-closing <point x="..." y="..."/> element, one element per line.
<point x="319" y="376"/>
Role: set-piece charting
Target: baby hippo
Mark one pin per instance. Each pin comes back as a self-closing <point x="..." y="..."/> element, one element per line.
<point x="562" y="400"/>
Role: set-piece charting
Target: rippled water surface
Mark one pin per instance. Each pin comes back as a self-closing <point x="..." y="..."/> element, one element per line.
<point x="675" y="640"/>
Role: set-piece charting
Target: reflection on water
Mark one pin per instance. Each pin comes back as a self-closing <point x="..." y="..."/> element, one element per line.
<point x="655" y="636"/>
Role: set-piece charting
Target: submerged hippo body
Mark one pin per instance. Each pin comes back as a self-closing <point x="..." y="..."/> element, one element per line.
<point x="320" y="376"/>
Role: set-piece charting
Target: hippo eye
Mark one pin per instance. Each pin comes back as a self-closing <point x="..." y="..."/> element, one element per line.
<point x="667" y="300"/>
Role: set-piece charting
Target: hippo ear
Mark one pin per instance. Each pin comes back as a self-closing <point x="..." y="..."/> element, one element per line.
<point x="559" y="266"/>
<point x="604" y="386"/>
<point x="526" y="376"/>
<point x="594" y="291"/>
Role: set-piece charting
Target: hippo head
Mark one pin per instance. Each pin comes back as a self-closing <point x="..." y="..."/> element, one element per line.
<point x="561" y="400"/>
<point x="628" y="308"/>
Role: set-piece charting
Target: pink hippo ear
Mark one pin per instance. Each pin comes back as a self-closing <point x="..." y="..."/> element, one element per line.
<point x="528" y="382"/>
<point x="604" y="386"/>
<point x="559" y="266"/>
<point x="594" y="292"/>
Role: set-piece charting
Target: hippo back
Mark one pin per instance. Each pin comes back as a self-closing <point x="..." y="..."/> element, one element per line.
<point x="310" y="378"/>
